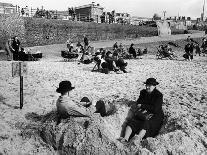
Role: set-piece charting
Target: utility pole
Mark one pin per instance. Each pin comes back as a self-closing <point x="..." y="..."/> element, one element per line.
<point x="203" y="10"/>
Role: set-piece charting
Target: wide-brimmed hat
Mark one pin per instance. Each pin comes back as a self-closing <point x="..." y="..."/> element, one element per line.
<point x="151" y="81"/>
<point x="64" y="86"/>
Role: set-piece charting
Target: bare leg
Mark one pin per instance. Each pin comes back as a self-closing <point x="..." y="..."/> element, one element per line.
<point x="142" y="133"/>
<point x="139" y="137"/>
<point x="128" y="133"/>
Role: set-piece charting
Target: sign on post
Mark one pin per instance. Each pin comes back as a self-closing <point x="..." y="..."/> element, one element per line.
<point x="19" y="69"/>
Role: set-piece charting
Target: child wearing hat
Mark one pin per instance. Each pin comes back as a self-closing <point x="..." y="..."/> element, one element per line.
<point x="67" y="107"/>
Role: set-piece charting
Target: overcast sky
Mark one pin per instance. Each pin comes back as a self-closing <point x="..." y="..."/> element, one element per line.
<point x="142" y="8"/>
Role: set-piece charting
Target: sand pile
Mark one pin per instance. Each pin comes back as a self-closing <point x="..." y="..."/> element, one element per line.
<point x="33" y="130"/>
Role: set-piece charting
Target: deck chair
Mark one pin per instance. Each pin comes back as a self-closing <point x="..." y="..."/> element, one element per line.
<point x="69" y="56"/>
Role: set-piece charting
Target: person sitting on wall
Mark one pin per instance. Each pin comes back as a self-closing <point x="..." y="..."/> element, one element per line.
<point x="146" y="116"/>
<point x="132" y="50"/>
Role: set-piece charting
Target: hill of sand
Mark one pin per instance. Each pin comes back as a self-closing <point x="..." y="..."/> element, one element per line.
<point x="33" y="130"/>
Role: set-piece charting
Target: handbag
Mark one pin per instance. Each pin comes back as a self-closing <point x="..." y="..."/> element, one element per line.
<point x="142" y="114"/>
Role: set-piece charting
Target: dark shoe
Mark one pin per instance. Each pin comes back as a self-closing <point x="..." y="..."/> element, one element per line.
<point x="116" y="69"/>
<point x="125" y="71"/>
<point x="105" y="70"/>
<point x="120" y="139"/>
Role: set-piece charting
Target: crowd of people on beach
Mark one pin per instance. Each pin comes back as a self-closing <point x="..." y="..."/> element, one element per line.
<point x="145" y="116"/>
<point x="192" y="46"/>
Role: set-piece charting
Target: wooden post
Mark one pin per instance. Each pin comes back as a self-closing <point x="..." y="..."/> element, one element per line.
<point x="21" y="86"/>
<point x="19" y="69"/>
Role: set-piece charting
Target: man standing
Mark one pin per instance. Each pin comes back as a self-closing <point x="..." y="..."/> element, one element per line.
<point x="15" y="46"/>
<point x="85" y="40"/>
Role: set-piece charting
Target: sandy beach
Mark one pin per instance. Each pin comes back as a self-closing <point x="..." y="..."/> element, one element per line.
<point x="183" y="83"/>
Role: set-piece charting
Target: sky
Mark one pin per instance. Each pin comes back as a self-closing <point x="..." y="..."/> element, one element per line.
<point x="141" y="8"/>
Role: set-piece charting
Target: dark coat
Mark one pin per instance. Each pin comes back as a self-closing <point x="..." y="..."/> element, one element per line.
<point x="132" y="51"/>
<point x="153" y="104"/>
<point x="86" y="41"/>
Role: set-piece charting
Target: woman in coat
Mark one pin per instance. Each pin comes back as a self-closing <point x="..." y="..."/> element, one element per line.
<point x="150" y="105"/>
<point x="16" y="47"/>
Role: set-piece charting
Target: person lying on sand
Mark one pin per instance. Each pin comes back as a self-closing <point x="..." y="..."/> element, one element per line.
<point x="146" y="116"/>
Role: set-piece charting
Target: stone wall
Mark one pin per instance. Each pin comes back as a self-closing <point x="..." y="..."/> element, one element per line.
<point x="43" y="31"/>
<point x="36" y="32"/>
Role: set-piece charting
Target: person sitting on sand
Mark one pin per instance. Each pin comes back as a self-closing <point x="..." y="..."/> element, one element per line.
<point x="146" y="115"/>
<point x="111" y="65"/>
<point x="87" y="58"/>
<point x="66" y="107"/>
<point x="132" y="51"/>
<point x="120" y="62"/>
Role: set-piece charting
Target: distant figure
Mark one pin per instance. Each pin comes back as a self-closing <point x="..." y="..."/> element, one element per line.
<point x="22" y="11"/>
<point x="132" y="51"/>
<point x="86" y="44"/>
<point x="120" y="62"/>
<point x="87" y="58"/>
<point x="9" y="50"/>
<point x="188" y="39"/>
<point x="204" y="46"/>
<point x="188" y="51"/>
<point x="16" y="47"/>
<point x="197" y="49"/>
<point x="110" y="62"/>
<point x="146" y="116"/>
<point x="115" y="46"/>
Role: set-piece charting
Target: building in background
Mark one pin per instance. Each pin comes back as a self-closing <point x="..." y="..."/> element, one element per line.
<point x="139" y="20"/>
<point x="88" y="13"/>
<point x="122" y="18"/>
<point x="7" y="8"/>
